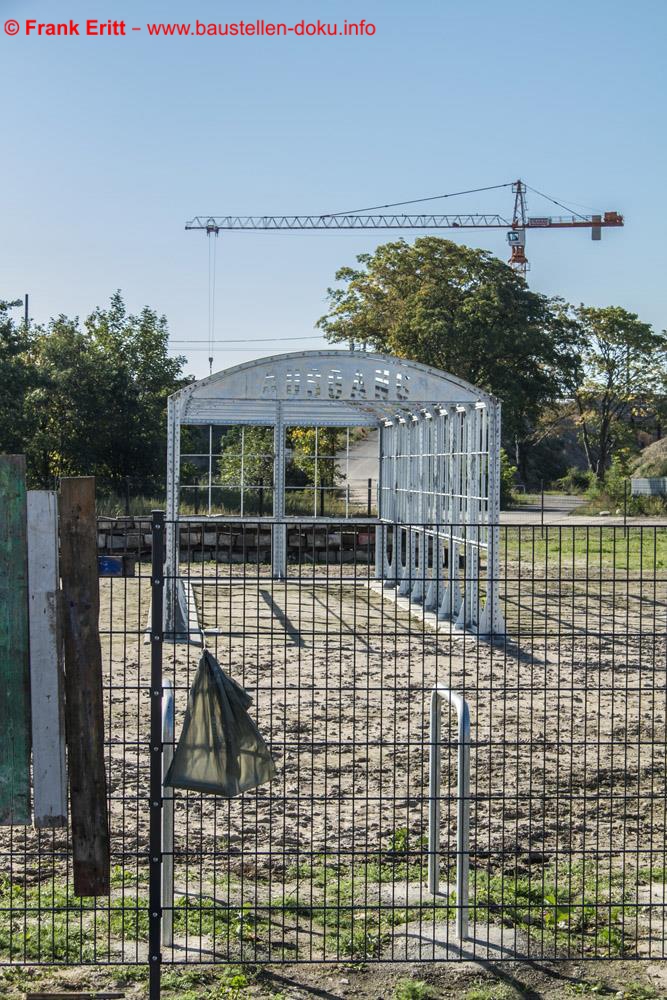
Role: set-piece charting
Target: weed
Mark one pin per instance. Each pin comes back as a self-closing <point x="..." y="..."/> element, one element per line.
<point x="637" y="991"/>
<point x="186" y="978"/>
<point x="561" y="904"/>
<point x="490" y="991"/>
<point x="412" y="989"/>
<point x="233" y="987"/>
<point x="586" y="988"/>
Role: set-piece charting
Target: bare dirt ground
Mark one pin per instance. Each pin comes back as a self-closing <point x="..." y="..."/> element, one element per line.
<point x="568" y="852"/>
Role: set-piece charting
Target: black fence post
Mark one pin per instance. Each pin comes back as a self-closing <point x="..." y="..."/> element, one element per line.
<point x="370" y="496"/>
<point x="625" y="507"/>
<point x="155" y="800"/>
<point x="542" y="508"/>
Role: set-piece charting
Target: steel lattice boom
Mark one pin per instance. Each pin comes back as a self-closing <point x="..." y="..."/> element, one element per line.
<point x="213" y="224"/>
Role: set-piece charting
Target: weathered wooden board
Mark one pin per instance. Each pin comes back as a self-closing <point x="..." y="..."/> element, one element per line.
<point x="14" y="645"/>
<point x="46" y="673"/>
<point x="75" y="996"/>
<point x="84" y="711"/>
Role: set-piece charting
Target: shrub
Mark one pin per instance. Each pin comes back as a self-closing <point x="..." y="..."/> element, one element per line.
<point x="507" y="474"/>
<point x="575" y="481"/>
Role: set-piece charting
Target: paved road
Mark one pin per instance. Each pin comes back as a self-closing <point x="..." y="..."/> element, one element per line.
<point x="556" y="509"/>
<point x="561" y="509"/>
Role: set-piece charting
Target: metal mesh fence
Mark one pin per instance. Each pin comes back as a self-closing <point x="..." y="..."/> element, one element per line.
<point x="329" y="861"/>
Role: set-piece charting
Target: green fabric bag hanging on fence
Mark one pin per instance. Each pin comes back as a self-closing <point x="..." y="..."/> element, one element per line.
<point x="220" y="750"/>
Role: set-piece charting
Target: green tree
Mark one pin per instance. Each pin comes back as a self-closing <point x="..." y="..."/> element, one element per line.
<point x="246" y="457"/>
<point x="140" y="376"/>
<point x="464" y="311"/>
<point x="99" y="399"/>
<point x="622" y="380"/>
<point x="69" y="403"/>
<point x="18" y="378"/>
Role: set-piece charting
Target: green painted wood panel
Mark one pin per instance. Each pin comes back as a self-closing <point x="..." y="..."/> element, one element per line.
<point x="14" y="645"/>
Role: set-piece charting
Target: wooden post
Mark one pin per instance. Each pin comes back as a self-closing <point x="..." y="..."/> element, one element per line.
<point x="14" y="645"/>
<point x="83" y="686"/>
<point x="46" y="674"/>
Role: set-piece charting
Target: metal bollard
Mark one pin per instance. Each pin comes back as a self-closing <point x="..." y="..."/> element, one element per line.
<point x="462" y="805"/>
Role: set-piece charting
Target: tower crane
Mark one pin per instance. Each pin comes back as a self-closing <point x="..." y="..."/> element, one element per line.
<point x="516" y="227"/>
<point x="376" y="217"/>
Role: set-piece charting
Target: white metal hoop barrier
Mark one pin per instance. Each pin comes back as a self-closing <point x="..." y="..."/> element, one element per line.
<point x="456" y="701"/>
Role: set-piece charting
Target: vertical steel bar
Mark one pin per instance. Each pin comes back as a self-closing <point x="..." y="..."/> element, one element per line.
<point x="210" y="466"/>
<point x="462" y="805"/>
<point x="242" y="471"/>
<point x="167" y="816"/>
<point x="155" y="800"/>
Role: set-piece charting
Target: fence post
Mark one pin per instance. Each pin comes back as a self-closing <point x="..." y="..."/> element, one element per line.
<point x="84" y="693"/>
<point x="155" y="801"/>
<point x="167" y="817"/>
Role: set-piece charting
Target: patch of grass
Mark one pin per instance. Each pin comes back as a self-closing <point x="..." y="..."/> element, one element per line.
<point x="490" y="991"/>
<point x="413" y="989"/>
<point x="638" y="991"/>
<point x="580" y="909"/>
<point x="184" y="978"/>
<point x="591" y="549"/>
<point x="45" y="923"/>
<point x="586" y="988"/>
<point x="122" y="975"/>
<point x="207" y="984"/>
<point x="18" y="981"/>
<point x="233" y="985"/>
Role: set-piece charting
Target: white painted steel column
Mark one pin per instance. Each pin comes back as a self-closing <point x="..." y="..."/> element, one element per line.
<point x="380" y="544"/>
<point x="451" y="597"/>
<point x="492" y="621"/>
<point x="393" y="565"/>
<point x="279" y="533"/>
<point x="468" y="612"/>
<point x="46" y="665"/>
<point x="408" y="571"/>
<point x="421" y="544"/>
<point x="431" y="596"/>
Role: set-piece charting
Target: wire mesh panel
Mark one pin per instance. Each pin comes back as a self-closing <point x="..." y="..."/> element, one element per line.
<point x="42" y="921"/>
<point x="567" y="797"/>
<point x="329" y="861"/>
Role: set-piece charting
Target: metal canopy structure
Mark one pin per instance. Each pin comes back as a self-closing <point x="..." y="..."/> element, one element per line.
<point x="439" y="466"/>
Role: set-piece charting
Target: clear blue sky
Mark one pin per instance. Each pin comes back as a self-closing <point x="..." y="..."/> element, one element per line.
<point x="109" y="145"/>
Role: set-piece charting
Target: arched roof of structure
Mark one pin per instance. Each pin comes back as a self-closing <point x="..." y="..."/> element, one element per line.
<point x="325" y="388"/>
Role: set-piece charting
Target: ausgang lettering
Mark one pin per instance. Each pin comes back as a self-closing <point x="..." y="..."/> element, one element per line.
<point x="336" y="384"/>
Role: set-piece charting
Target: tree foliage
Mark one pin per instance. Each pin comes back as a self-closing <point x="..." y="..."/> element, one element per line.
<point x="18" y="379"/>
<point x="622" y="379"/>
<point x="461" y="310"/>
<point x="90" y="399"/>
